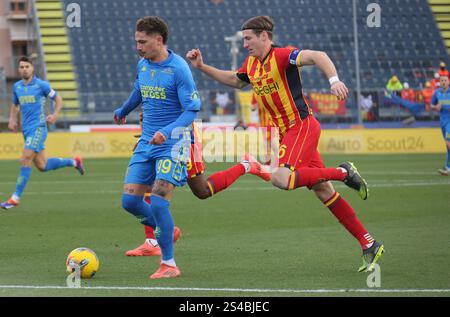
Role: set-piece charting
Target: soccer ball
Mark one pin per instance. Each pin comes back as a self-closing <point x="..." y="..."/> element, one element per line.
<point x="86" y="259"/>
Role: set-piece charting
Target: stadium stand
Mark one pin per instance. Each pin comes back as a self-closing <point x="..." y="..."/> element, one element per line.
<point x="407" y="44"/>
<point x="57" y="54"/>
<point x="441" y="11"/>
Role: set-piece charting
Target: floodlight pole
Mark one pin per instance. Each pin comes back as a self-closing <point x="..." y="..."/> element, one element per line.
<point x="234" y="50"/>
<point x="357" y="66"/>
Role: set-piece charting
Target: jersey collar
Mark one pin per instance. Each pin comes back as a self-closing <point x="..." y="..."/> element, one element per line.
<point x="31" y="83"/>
<point x="268" y="54"/>
<point x="164" y="62"/>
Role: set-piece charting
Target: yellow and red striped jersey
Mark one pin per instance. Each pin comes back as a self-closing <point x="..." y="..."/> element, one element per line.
<point x="277" y="85"/>
<point x="264" y="117"/>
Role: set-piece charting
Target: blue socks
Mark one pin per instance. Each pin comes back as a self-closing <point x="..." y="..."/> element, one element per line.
<point x="164" y="231"/>
<point x="157" y="216"/>
<point x="57" y="163"/>
<point x="22" y="180"/>
<point x="136" y="206"/>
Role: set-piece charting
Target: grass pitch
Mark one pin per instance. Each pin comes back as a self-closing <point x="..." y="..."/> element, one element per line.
<point x="251" y="240"/>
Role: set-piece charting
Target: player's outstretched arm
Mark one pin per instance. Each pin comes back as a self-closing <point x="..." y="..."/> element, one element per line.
<point x="226" y="77"/>
<point x="132" y="102"/>
<point x="51" y="118"/>
<point x="13" y="123"/>
<point x="324" y="63"/>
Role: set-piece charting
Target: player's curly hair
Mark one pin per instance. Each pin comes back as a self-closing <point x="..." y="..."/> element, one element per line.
<point x="153" y="25"/>
<point x="259" y="24"/>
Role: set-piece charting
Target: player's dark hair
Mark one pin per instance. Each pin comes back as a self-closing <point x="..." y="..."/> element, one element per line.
<point x="25" y="59"/>
<point x="259" y="24"/>
<point x="153" y="25"/>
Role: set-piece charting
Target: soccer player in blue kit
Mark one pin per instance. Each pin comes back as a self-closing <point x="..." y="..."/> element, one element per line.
<point x="441" y="103"/>
<point x="28" y="98"/>
<point x="165" y="87"/>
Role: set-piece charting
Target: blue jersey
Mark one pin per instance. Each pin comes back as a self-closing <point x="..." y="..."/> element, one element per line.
<point x="170" y="100"/>
<point x="167" y="89"/>
<point x="31" y="99"/>
<point x="443" y="98"/>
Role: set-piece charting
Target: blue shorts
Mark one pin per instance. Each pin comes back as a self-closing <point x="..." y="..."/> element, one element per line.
<point x="35" y="139"/>
<point x="154" y="162"/>
<point x="446" y="131"/>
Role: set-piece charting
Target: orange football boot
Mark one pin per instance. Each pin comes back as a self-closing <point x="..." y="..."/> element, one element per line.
<point x="166" y="271"/>
<point x="10" y="203"/>
<point x="146" y="249"/>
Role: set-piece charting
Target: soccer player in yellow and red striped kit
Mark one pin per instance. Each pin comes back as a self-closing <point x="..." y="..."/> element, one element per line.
<point x="273" y="73"/>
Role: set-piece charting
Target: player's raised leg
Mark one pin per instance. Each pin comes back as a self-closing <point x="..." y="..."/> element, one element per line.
<point x="204" y="188"/>
<point x="51" y="164"/>
<point x="220" y="181"/>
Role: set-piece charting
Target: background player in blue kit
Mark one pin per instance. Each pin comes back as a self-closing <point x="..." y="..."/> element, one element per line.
<point x="441" y="103"/>
<point x="28" y="98"/>
<point x="166" y="88"/>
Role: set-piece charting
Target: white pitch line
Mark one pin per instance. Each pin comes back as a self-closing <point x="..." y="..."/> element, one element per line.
<point x="243" y="290"/>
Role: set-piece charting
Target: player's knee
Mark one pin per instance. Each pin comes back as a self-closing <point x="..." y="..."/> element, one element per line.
<point x="200" y="187"/>
<point x="26" y="160"/>
<point x="131" y="190"/>
<point x="279" y="179"/>
<point x="131" y="203"/>
<point x="202" y="193"/>
<point x="41" y="166"/>
<point x="162" y="188"/>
